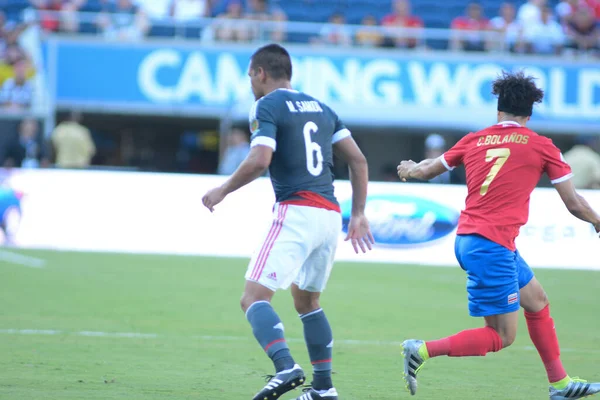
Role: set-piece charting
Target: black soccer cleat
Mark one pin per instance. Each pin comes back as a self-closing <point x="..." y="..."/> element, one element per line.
<point x="312" y="394"/>
<point x="281" y="383"/>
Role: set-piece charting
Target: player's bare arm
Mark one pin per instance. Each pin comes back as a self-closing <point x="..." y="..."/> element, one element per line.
<point x="425" y="170"/>
<point x="359" y="232"/>
<point x="576" y="204"/>
<point x="252" y="167"/>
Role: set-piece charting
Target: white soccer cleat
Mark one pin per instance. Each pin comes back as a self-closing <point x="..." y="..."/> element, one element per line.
<point x="576" y="389"/>
<point x="413" y="362"/>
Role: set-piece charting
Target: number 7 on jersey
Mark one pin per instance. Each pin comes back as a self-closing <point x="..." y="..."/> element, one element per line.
<point x="501" y="155"/>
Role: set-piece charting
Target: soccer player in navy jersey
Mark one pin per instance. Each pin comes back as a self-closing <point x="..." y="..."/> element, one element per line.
<point x="294" y="135"/>
<point x="503" y="164"/>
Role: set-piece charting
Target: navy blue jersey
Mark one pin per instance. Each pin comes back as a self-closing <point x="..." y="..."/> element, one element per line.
<point x="301" y="131"/>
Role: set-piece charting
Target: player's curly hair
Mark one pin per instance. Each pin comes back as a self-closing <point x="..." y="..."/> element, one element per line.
<point x="517" y="93"/>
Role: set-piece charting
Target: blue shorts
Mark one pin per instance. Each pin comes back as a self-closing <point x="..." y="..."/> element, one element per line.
<point x="494" y="275"/>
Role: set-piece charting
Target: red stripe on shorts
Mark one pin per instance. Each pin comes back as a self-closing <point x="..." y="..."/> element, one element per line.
<point x="263" y="262"/>
<point x="265" y="244"/>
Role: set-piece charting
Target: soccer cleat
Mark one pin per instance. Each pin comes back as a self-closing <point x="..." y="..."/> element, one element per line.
<point x="412" y="363"/>
<point x="576" y="389"/>
<point x="281" y="383"/>
<point x="312" y="394"/>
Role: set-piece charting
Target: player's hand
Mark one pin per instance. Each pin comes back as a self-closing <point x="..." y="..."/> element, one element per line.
<point x="597" y="227"/>
<point x="213" y="197"/>
<point x="359" y="233"/>
<point x="404" y="169"/>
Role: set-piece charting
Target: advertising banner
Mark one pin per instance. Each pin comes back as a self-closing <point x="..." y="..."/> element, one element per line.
<point x="375" y="87"/>
<point x="163" y="213"/>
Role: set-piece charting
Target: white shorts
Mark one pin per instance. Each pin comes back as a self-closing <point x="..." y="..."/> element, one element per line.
<point x="299" y="248"/>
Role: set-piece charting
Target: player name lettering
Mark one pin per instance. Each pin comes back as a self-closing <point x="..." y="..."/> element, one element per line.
<point x="499" y="139"/>
<point x="304" y="106"/>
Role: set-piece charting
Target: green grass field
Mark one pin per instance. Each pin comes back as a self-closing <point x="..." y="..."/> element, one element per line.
<point x="193" y="342"/>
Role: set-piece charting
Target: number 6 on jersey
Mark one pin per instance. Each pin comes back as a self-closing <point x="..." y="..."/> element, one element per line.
<point x="312" y="148"/>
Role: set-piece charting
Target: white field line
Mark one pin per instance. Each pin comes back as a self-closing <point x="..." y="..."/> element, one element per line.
<point x="132" y="335"/>
<point x="22" y="260"/>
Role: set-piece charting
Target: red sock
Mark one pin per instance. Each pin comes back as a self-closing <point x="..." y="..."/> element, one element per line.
<point x="472" y="342"/>
<point x="543" y="336"/>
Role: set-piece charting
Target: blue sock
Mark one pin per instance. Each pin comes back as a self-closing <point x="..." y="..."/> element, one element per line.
<point x="268" y="330"/>
<point x="319" y="341"/>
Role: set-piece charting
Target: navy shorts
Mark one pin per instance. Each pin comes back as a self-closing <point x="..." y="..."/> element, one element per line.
<point x="495" y="275"/>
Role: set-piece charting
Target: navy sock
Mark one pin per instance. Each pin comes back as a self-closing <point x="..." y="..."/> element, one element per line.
<point x="268" y="330"/>
<point x="319" y="341"/>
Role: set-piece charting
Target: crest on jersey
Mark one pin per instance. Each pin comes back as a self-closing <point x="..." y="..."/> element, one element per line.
<point x="254" y="125"/>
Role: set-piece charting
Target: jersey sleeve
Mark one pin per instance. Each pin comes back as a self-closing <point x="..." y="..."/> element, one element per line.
<point x="340" y="131"/>
<point x="555" y="165"/>
<point x="263" y="125"/>
<point x="454" y="157"/>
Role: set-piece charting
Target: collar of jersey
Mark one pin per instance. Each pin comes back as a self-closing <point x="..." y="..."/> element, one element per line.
<point x="508" y="123"/>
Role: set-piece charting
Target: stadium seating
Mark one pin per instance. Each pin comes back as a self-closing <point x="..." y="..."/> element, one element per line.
<point x="435" y="14"/>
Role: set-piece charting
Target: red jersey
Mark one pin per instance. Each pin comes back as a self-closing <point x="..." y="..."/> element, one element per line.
<point x="470" y="24"/>
<point x="504" y="163"/>
<point x="594" y="5"/>
<point x="405" y="22"/>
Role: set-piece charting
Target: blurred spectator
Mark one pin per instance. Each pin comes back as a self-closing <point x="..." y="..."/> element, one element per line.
<point x="469" y="30"/>
<point x="13" y="52"/>
<point x="49" y="22"/>
<point x="69" y="20"/>
<point x="155" y="9"/>
<point x="583" y="31"/>
<point x="585" y="162"/>
<point x="545" y="36"/>
<point x="4" y="30"/>
<point x="565" y="9"/>
<point x="17" y="92"/>
<point x="435" y="146"/>
<point x="595" y="7"/>
<point x="531" y="12"/>
<point x="26" y="150"/>
<point x="335" y="32"/>
<point x="190" y="10"/>
<point x="369" y="37"/>
<point x="228" y="28"/>
<point x="66" y="22"/>
<point x="401" y="18"/>
<point x="10" y="50"/>
<point x="279" y="34"/>
<point x="73" y="144"/>
<point x="123" y="21"/>
<point x="260" y="10"/>
<point x="238" y="148"/>
<point x="507" y="25"/>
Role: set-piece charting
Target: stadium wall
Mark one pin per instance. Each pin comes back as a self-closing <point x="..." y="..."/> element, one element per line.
<point x="162" y="213"/>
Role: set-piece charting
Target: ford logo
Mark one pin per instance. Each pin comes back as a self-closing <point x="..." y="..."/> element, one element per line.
<point x="405" y="220"/>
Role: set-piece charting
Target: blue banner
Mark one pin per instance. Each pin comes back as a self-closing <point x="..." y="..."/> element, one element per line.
<point x="364" y="86"/>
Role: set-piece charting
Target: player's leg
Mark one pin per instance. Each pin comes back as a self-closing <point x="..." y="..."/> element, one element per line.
<point x="493" y="294"/>
<point x="274" y="267"/>
<point x="309" y="284"/>
<point x="266" y="324"/>
<point x="319" y="340"/>
<point x="543" y="335"/>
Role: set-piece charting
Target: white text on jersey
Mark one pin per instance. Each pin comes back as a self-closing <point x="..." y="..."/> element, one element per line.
<point x="304" y="106"/>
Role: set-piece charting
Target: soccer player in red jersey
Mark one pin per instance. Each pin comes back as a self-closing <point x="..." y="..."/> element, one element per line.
<point x="503" y="164"/>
